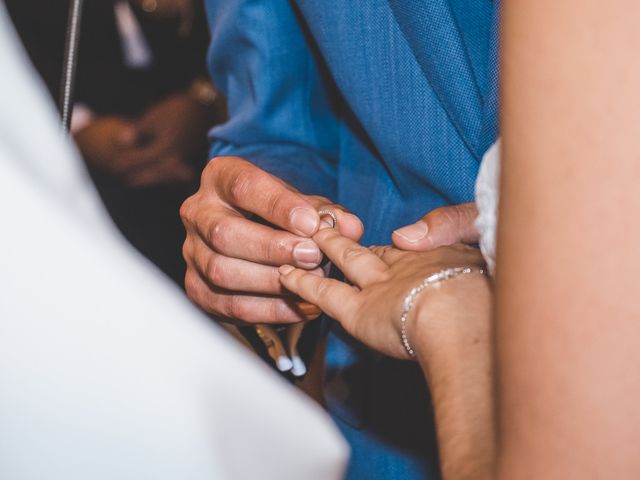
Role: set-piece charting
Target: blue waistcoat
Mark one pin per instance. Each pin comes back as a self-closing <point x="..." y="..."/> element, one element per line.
<point x="386" y="107"/>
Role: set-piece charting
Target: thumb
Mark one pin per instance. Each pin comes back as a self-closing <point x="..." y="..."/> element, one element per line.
<point x="442" y="226"/>
<point x="348" y="225"/>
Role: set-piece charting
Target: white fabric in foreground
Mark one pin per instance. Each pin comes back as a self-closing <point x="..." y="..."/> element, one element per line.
<point x="487" y="200"/>
<point x="106" y="371"/>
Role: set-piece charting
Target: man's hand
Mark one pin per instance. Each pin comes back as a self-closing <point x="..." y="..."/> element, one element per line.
<point x="441" y="227"/>
<point x="121" y="148"/>
<point x="153" y="149"/>
<point x="173" y="129"/>
<point x="104" y="140"/>
<point x="232" y="258"/>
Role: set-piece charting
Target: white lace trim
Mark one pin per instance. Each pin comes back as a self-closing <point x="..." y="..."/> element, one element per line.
<point x="487" y="199"/>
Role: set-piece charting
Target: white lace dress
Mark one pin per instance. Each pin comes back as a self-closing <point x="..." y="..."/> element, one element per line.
<point x="487" y="199"/>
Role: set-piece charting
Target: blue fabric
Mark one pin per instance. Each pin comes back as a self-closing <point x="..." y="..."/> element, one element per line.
<point x="386" y="107"/>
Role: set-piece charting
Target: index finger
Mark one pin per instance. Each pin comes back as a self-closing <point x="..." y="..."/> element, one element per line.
<point x="335" y="298"/>
<point x="246" y="187"/>
<point x="359" y="265"/>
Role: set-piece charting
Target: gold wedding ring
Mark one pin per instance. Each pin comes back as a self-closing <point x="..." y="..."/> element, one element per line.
<point x="331" y="214"/>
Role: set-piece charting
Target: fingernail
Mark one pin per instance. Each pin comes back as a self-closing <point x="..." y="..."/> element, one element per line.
<point x="309" y="310"/>
<point x="304" y="220"/>
<point x="307" y="254"/>
<point x="413" y="233"/>
<point x="299" y="368"/>
<point x="286" y="269"/>
<point x="284" y="364"/>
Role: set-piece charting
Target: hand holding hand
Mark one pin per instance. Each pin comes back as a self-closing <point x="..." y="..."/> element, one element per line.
<point x="232" y="258"/>
<point x="370" y="310"/>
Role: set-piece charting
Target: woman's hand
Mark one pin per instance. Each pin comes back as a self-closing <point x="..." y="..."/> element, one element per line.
<point x="449" y="329"/>
<point x="370" y="310"/>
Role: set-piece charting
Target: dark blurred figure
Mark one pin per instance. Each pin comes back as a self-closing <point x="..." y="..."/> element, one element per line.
<point x="143" y="105"/>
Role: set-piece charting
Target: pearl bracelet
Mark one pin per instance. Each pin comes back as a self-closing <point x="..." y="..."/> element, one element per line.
<point x="409" y="300"/>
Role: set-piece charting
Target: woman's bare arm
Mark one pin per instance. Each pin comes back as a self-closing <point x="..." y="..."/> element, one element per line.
<point x="568" y="275"/>
<point x="449" y="328"/>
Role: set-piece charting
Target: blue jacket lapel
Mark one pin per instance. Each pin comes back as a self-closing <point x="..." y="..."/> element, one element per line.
<point x="490" y="127"/>
<point x="431" y="32"/>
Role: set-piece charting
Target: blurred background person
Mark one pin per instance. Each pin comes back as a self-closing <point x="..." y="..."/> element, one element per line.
<point x="143" y="105"/>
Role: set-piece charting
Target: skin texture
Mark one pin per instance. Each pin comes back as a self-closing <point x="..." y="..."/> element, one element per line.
<point x="440" y="227"/>
<point x="449" y="328"/>
<point x="568" y="315"/>
<point x="567" y="310"/>
<point x="232" y="257"/>
<point x="381" y="277"/>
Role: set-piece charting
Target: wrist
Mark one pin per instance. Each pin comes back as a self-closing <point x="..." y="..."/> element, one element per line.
<point x="451" y="320"/>
<point x="458" y="367"/>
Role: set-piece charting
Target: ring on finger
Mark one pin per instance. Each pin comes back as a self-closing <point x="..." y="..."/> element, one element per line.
<point x="329" y="213"/>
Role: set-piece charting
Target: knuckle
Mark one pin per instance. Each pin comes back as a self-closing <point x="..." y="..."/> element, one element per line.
<point x="218" y="234"/>
<point x="350" y="254"/>
<point x="241" y="184"/>
<point x="444" y="226"/>
<point x="191" y="285"/>
<point x="325" y="234"/>
<point x="293" y="280"/>
<point x="187" y="210"/>
<point x="463" y="216"/>
<point x="465" y="211"/>
<point x="319" y="201"/>
<point x="235" y="307"/>
<point x="276" y="248"/>
<point x="274" y="205"/>
<point x="451" y="217"/>
<point x="286" y="312"/>
<point x="443" y="216"/>
<point x="274" y="309"/>
<point x="212" y="170"/>
<point x="186" y="250"/>
<point x="213" y="272"/>
<point x="323" y="291"/>
<point x="200" y="295"/>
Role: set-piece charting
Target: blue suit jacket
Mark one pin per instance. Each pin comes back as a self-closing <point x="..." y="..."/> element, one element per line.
<point x="385" y="106"/>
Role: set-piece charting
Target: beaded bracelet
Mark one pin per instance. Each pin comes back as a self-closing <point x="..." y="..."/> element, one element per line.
<point x="409" y="300"/>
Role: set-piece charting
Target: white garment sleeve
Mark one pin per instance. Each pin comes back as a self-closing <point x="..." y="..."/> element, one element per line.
<point x="106" y="370"/>
<point x="487" y="200"/>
